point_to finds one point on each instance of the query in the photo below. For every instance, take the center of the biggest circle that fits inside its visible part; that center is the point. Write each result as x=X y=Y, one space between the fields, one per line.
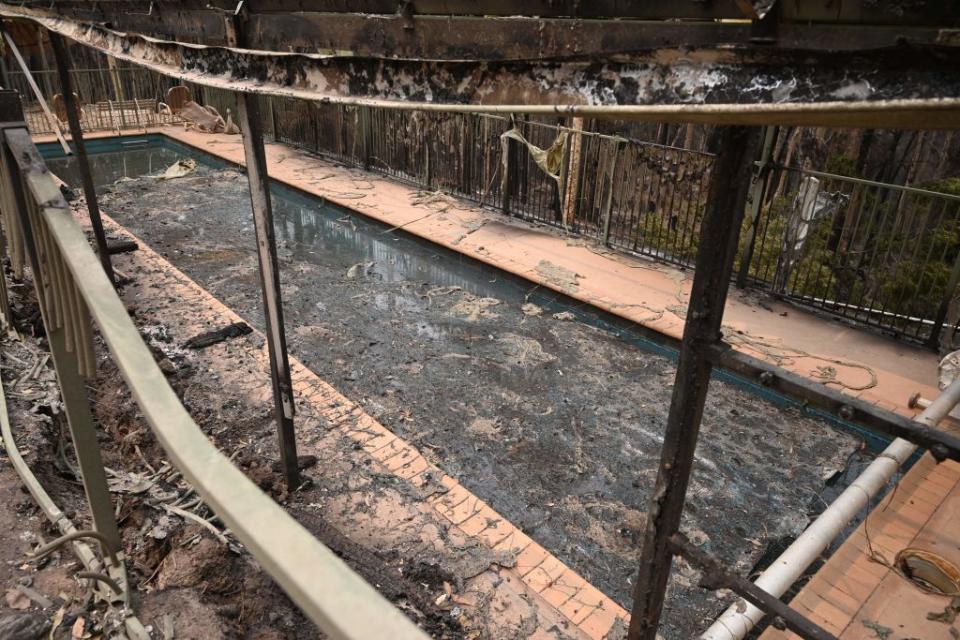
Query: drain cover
x=929 y=571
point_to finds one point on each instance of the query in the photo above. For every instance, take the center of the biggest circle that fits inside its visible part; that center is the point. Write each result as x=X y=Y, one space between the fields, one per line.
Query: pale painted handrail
x=340 y=602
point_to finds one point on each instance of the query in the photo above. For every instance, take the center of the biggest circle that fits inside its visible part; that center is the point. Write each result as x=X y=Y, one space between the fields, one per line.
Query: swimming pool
x=545 y=407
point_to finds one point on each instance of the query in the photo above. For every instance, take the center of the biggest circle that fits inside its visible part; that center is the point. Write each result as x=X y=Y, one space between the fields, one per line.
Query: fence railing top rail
x=870 y=183
x=341 y=603
x=603 y=136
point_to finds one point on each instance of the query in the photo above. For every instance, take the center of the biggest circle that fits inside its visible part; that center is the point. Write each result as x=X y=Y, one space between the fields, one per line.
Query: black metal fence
x=94 y=85
x=874 y=253
x=878 y=254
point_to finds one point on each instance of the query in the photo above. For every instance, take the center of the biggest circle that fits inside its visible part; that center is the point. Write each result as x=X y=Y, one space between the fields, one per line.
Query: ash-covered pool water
x=551 y=412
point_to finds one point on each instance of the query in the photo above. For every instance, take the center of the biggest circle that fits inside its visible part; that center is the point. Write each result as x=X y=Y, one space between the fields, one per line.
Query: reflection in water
x=311 y=229
x=308 y=228
x=111 y=166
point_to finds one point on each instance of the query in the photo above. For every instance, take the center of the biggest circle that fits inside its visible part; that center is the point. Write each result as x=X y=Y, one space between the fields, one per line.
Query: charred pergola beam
x=453 y=37
x=936 y=12
x=601 y=68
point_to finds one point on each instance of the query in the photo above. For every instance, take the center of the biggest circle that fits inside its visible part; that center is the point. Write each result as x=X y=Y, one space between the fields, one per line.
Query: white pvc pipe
x=785 y=570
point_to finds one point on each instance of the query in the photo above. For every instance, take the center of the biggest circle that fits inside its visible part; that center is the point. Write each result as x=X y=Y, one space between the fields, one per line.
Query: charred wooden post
x=611 y=189
x=44 y=65
x=366 y=135
x=718 y=244
x=248 y=109
x=574 y=182
x=62 y=57
x=715 y=577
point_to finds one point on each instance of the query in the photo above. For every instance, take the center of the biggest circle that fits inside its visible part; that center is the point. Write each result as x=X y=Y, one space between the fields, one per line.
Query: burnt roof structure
x=888 y=63
x=877 y=63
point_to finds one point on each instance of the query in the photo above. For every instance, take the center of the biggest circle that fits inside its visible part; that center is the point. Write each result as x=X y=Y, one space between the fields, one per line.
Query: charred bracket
x=405 y=13
x=121 y=246
x=714 y=576
x=210 y=338
x=942 y=445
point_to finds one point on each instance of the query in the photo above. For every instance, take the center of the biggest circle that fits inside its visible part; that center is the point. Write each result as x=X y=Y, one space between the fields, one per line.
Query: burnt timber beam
x=463 y=37
x=876 y=12
x=719 y=232
x=898 y=87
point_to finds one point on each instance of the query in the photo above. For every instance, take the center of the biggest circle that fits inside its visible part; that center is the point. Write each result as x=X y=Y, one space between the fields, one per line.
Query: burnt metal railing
x=72 y=288
x=878 y=254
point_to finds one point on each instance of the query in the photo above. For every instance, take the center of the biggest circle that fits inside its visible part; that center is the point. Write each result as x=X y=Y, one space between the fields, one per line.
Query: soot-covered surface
x=555 y=423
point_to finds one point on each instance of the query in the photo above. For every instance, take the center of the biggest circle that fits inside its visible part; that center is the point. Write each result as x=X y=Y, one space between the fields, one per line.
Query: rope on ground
x=778 y=354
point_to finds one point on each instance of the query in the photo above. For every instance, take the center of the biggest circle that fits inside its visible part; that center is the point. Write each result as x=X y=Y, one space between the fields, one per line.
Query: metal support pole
x=934 y=340
x=758 y=191
x=73 y=388
x=719 y=232
x=248 y=111
x=608 y=203
x=62 y=57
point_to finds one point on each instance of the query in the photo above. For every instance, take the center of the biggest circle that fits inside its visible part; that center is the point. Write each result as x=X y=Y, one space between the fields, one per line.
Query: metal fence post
x=249 y=114
x=934 y=340
x=71 y=353
x=718 y=245
x=608 y=203
x=757 y=193
x=506 y=164
x=366 y=133
x=76 y=133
